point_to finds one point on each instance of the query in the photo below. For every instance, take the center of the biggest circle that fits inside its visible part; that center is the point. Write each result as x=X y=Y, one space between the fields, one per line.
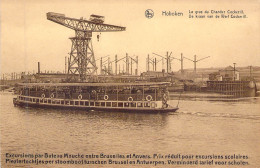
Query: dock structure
x=235 y=88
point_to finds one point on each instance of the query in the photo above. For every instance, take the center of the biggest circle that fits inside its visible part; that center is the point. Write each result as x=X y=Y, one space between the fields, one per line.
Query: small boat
x=134 y=97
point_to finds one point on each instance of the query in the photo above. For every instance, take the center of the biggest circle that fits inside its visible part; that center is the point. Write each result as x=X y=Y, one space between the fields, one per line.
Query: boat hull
x=94 y=108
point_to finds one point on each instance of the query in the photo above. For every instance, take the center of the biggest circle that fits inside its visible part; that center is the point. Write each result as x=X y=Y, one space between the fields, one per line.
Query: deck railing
x=89 y=103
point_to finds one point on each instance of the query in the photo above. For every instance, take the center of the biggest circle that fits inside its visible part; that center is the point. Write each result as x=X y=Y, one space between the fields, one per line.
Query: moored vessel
x=134 y=97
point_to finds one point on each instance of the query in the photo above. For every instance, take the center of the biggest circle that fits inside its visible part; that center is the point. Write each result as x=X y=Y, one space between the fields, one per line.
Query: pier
x=235 y=88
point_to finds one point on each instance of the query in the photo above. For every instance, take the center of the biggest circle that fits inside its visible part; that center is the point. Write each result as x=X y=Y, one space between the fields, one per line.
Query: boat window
x=49 y=101
x=139 y=104
x=91 y=103
x=108 y=104
x=126 y=104
x=146 y=104
x=82 y=103
x=103 y=104
x=120 y=104
x=114 y=104
x=77 y=103
x=132 y=104
x=86 y=103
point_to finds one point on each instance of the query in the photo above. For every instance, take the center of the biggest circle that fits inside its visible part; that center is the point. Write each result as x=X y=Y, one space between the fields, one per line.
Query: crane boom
x=203 y=58
x=82 y=24
x=82 y=59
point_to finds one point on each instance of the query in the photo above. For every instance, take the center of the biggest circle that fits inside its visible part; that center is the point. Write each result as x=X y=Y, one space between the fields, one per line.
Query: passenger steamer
x=139 y=97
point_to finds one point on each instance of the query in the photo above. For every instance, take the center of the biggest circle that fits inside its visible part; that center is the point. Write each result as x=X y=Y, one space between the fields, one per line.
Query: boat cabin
x=107 y=95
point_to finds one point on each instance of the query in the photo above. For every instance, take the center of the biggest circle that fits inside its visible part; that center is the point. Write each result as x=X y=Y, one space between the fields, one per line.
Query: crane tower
x=82 y=60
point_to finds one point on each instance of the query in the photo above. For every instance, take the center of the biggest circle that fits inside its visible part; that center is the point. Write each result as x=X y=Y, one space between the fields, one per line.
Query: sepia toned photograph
x=129 y=83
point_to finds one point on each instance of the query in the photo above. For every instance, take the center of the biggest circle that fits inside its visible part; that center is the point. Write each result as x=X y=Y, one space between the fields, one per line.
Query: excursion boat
x=134 y=97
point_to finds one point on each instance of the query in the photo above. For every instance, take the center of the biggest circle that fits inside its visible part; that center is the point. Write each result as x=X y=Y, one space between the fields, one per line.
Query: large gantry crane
x=82 y=60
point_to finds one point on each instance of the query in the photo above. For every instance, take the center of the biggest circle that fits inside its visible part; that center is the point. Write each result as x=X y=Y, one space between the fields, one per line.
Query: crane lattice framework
x=82 y=60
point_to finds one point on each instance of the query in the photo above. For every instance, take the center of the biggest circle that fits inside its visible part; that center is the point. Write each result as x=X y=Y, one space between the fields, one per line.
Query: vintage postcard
x=130 y=83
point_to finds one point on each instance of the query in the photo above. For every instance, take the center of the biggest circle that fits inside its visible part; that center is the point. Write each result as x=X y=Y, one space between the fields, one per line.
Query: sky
x=27 y=37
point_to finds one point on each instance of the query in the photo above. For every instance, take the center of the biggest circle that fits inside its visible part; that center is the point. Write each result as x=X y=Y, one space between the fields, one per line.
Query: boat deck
x=146 y=106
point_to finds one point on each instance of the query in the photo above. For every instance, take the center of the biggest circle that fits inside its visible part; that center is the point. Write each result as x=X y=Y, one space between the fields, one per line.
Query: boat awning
x=151 y=84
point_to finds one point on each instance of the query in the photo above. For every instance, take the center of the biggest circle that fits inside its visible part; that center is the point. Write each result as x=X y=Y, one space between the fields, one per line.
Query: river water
x=200 y=127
